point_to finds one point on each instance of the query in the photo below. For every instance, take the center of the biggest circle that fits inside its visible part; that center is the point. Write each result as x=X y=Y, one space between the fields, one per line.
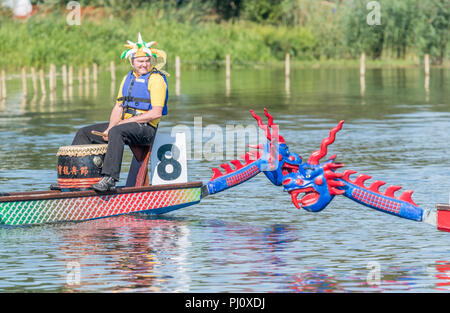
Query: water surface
x=250 y=238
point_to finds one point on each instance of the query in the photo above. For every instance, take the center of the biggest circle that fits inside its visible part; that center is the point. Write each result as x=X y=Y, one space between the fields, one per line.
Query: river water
x=250 y=238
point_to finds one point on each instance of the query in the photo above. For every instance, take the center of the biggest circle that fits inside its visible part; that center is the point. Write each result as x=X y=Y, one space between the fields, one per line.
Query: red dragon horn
x=267 y=128
x=317 y=155
x=270 y=123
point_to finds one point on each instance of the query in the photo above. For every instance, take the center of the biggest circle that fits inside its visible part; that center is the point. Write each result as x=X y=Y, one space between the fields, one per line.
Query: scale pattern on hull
x=92 y=207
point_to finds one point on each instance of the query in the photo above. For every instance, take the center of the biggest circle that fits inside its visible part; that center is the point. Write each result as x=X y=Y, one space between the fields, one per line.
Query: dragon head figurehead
x=312 y=185
x=315 y=182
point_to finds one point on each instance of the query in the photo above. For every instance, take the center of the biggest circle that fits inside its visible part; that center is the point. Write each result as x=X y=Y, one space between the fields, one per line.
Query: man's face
x=141 y=65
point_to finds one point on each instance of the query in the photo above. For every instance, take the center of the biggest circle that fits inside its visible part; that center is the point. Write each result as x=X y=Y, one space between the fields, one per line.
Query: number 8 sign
x=168 y=159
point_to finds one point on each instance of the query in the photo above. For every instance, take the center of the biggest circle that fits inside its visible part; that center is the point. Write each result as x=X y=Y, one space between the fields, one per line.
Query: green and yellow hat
x=144 y=49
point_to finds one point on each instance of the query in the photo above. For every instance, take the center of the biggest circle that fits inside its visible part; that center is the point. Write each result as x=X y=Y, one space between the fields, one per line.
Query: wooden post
x=42 y=81
x=426 y=62
x=24 y=81
x=227 y=74
x=362 y=64
x=87 y=75
x=112 y=67
x=64 y=75
x=287 y=65
x=34 y=80
x=52 y=77
x=227 y=66
x=287 y=86
x=70 y=78
x=95 y=72
x=362 y=84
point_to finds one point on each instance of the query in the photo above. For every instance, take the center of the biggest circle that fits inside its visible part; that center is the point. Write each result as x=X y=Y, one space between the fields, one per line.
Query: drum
x=80 y=166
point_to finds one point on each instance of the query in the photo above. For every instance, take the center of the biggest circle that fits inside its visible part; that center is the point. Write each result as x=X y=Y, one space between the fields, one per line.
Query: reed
x=325 y=33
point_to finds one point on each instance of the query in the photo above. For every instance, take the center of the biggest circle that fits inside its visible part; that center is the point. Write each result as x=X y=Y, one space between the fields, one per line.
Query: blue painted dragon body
x=312 y=185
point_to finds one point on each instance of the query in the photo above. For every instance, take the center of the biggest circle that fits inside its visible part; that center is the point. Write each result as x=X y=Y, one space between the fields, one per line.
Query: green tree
x=432 y=31
x=359 y=35
x=263 y=11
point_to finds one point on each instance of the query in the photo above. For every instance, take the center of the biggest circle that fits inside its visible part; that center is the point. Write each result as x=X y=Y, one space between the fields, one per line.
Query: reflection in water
x=427 y=88
x=314 y=281
x=141 y=253
x=248 y=239
x=443 y=275
x=362 y=83
x=287 y=86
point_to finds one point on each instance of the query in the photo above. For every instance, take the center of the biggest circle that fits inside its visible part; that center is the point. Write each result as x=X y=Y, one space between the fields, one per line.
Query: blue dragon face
x=277 y=161
x=283 y=167
x=316 y=182
x=308 y=187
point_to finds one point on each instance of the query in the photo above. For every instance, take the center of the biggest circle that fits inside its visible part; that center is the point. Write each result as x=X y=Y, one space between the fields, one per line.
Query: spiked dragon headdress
x=144 y=49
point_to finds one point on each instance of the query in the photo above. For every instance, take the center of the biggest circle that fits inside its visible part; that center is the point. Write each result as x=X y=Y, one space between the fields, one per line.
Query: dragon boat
x=312 y=186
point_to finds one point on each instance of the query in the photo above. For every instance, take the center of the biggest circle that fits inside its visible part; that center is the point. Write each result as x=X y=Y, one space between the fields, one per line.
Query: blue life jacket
x=135 y=93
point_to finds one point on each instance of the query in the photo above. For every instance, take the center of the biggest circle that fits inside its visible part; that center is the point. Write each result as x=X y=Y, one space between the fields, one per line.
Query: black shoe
x=55 y=187
x=105 y=184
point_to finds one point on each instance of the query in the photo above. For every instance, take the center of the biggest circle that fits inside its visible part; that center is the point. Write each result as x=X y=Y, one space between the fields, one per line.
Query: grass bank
x=47 y=38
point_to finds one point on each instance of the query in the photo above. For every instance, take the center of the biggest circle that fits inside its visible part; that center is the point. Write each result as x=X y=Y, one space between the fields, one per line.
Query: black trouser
x=118 y=136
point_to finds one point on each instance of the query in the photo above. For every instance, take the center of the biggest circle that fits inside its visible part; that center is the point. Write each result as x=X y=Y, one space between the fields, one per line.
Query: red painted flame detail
x=237 y=164
x=227 y=168
x=361 y=179
x=317 y=155
x=248 y=158
x=391 y=190
x=267 y=128
x=347 y=174
x=375 y=187
x=406 y=196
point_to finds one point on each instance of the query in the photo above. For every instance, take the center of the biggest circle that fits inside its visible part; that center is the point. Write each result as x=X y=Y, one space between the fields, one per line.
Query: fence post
x=52 y=77
x=112 y=68
x=24 y=81
x=64 y=75
x=34 y=80
x=42 y=81
x=426 y=62
x=94 y=72
x=70 y=75
x=362 y=64
x=227 y=66
x=287 y=65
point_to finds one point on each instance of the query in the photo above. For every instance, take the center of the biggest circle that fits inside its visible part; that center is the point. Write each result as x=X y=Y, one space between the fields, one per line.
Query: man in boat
x=140 y=104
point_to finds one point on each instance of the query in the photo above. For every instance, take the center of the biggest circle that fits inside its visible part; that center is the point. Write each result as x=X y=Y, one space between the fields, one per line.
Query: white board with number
x=168 y=159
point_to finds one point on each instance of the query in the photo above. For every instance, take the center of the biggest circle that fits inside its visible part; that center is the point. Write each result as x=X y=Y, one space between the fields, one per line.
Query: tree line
x=330 y=29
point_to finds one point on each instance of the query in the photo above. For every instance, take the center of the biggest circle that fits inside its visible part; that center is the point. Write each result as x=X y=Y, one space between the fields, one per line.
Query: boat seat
x=138 y=173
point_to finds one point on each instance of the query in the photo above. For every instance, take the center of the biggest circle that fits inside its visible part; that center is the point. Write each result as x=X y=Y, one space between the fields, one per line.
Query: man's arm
x=116 y=115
